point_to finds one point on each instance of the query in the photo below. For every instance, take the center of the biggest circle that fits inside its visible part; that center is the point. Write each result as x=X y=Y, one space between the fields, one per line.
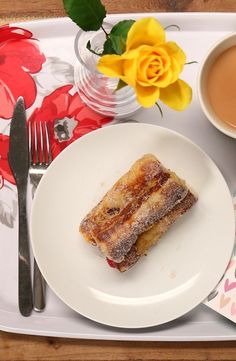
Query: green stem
x=94 y=52
x=107 y=35
x=88 y=46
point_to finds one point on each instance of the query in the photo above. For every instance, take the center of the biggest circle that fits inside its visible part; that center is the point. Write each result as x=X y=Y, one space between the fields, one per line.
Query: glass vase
x=95 y=89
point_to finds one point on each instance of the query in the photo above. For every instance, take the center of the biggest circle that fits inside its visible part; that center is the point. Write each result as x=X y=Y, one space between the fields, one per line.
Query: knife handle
x=25 y=296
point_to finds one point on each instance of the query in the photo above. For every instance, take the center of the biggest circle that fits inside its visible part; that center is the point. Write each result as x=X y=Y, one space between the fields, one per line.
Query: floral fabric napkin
x=223 y=298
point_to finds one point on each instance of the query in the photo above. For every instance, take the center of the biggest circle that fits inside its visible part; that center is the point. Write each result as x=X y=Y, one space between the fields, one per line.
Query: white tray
x=198 y=33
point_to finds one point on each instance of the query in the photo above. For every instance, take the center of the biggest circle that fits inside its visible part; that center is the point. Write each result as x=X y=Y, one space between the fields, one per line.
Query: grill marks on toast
x=138 y=200
x=150 y=237
x=119 y=238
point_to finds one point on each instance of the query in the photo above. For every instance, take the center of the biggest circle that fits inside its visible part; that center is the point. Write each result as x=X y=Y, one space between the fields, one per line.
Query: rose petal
x=145 y=31
x=111 y=65
x=163 y=76
x=120 y=66
x=177 y=95
x=147 y=96
x=177 y=59
x=130 y=65
x=174 y=50
x=130 y=71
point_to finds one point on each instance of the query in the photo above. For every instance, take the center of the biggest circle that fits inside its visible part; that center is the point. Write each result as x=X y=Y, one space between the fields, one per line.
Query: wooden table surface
x=20 y=347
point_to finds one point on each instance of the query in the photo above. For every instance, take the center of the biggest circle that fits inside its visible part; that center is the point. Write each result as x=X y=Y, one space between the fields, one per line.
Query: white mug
x=217 y=49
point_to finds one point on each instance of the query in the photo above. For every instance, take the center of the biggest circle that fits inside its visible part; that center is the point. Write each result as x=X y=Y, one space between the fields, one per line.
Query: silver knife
x=18 y=158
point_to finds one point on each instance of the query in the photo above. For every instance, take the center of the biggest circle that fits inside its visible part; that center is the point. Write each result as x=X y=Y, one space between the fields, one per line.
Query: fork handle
x=39 y=289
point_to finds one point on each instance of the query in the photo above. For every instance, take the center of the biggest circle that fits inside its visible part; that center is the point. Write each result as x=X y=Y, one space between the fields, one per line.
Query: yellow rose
x=150 y=65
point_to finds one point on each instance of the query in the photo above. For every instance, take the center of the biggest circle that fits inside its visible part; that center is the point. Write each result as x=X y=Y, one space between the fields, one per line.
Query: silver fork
x=39 y=157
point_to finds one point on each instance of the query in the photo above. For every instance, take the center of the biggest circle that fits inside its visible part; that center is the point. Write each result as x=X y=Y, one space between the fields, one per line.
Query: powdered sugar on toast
x=138 y=200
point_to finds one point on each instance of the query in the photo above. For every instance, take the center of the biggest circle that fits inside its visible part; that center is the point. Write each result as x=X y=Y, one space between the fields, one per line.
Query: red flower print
x=58 y=109
x=62 y=110
x=5 y=171
x=19 y=58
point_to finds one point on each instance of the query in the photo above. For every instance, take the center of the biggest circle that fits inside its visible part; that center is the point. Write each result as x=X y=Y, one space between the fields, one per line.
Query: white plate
x=176 y=275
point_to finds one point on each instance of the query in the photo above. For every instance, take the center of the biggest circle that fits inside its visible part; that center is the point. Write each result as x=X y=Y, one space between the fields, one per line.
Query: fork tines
x=39 y=144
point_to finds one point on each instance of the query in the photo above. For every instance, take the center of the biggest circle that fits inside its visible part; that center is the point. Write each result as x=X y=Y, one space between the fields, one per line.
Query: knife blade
x=18 y=158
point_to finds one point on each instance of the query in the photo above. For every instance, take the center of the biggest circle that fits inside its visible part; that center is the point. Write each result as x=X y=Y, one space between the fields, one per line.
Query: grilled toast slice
x=136 y=202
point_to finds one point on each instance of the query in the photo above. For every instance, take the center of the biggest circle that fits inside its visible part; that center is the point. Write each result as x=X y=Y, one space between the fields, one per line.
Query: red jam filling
x=112 y=263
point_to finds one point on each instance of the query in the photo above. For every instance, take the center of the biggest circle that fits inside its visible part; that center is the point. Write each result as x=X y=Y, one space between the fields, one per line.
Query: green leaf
x=88 y=46
x=107 y=47
x=118 y=35
x=87 y=14
x=121 y=84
